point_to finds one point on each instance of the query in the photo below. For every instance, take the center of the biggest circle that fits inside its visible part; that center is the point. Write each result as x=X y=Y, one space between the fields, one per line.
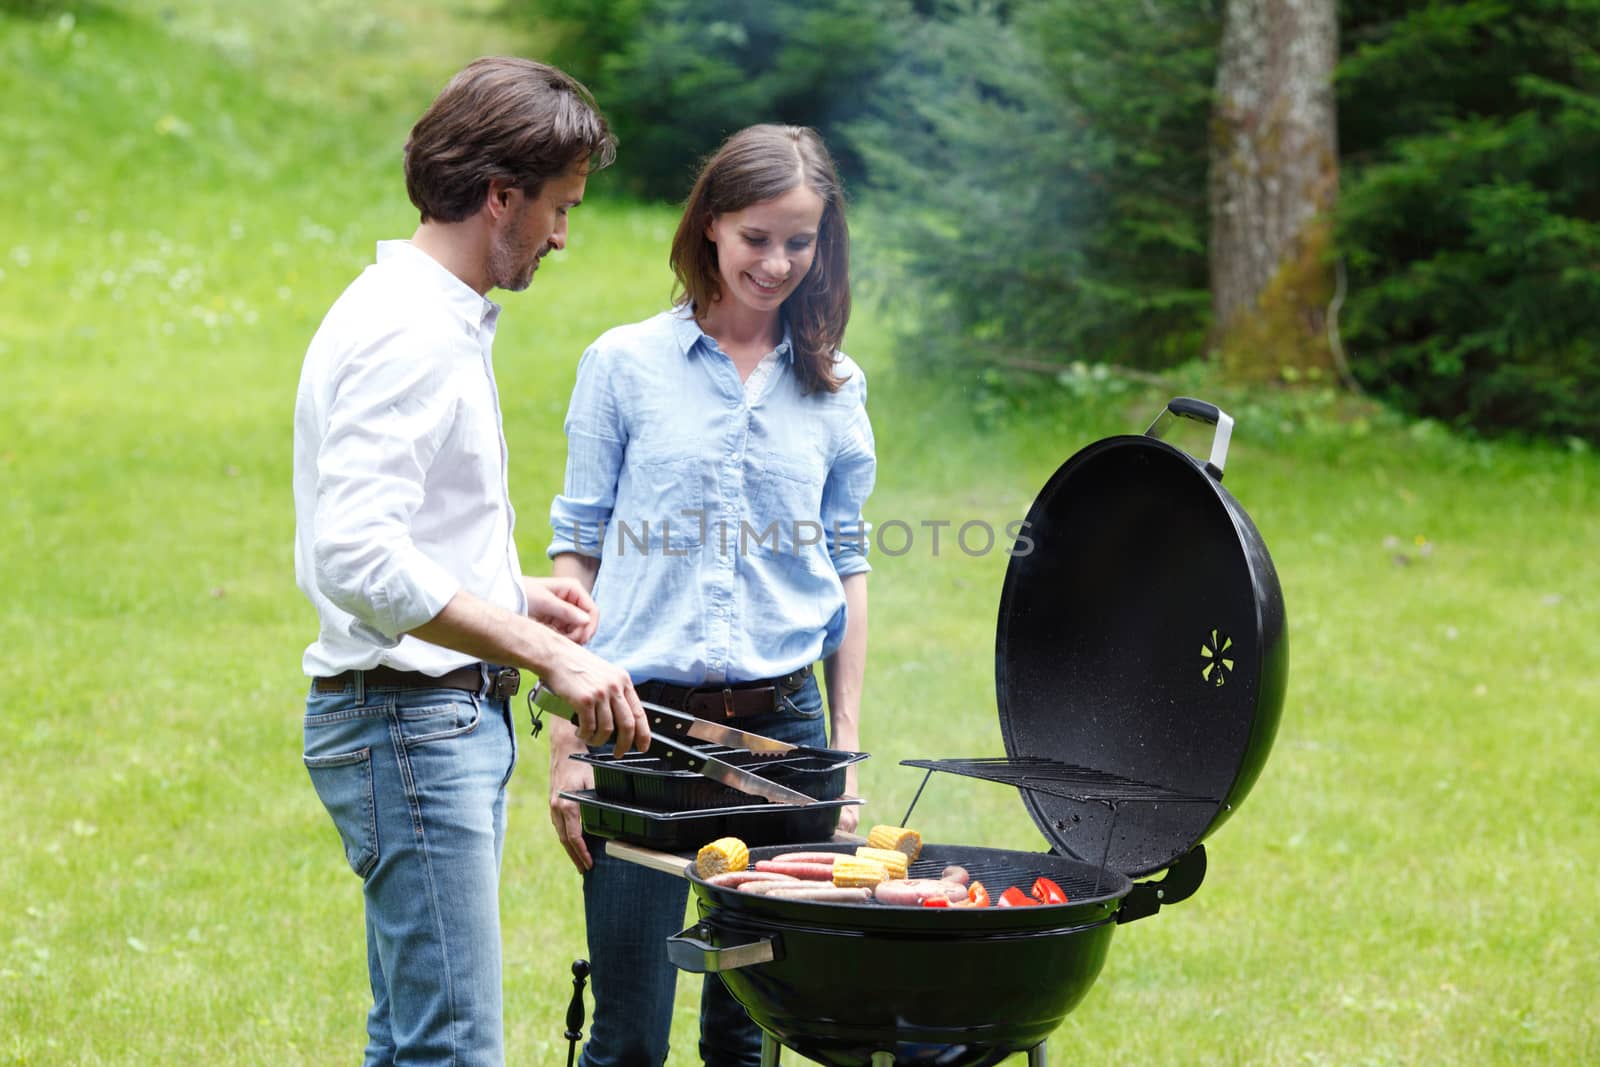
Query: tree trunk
x=1274 y=178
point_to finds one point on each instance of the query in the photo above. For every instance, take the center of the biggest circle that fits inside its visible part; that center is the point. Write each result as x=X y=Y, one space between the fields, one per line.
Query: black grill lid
x=1142 y=637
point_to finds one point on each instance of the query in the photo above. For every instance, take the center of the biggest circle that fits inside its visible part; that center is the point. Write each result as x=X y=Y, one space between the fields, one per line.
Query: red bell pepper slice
x=1046 y=891
x=977 y=895
x=935 y=902
x=1016 y=898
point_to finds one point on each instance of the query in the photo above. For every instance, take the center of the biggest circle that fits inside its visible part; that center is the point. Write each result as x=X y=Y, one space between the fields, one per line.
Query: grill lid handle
x=1188 y=407
x=1179 y=883
x=691 y=951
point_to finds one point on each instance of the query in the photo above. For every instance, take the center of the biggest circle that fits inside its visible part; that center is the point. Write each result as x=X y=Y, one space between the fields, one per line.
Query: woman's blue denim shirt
x=723 y=522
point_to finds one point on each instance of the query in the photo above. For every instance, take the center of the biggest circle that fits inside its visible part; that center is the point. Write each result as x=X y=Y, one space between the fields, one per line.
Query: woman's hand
x=572 y=776
x=850 y=814
x=564 y=605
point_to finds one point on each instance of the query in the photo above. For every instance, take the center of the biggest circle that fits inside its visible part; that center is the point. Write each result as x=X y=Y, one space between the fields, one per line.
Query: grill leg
x=580 y=974
x=1036 y=1055
x=769 y=1050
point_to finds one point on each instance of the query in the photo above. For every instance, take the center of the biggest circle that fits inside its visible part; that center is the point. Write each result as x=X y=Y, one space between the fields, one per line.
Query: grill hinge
x=1179 y=883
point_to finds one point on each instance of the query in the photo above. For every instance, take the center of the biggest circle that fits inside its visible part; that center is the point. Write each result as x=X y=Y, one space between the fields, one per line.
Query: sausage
x=765 y=887
x=735 y=879
x=804 y=857
x=811 y=872
x=788 y=887
x=816 y=891
x=902 y=892
x=911 y=892
x=955 y=874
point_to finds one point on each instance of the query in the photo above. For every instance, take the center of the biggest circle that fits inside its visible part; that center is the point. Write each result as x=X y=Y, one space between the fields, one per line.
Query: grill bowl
x=929 y=985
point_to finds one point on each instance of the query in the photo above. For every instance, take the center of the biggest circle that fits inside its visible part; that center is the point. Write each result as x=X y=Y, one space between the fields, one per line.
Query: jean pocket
x=344 y=785
x=804 y=704
x=456 y=715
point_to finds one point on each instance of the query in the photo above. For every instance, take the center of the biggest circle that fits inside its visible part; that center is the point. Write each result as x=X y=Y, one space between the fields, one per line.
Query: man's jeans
x=415 y=781
x=631 y=911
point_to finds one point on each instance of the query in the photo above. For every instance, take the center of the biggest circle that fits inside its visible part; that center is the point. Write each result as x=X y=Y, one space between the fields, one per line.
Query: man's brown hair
x=754 y=165
x=504 y=118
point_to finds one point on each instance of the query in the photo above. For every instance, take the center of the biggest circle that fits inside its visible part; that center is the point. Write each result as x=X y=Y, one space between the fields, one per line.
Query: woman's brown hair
x=755 y=165
x=501 y=118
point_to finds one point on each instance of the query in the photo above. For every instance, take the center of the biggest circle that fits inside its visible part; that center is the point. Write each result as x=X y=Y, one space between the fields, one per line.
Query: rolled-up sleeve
x=596 y=440
x=390 y=408
x=849 y=483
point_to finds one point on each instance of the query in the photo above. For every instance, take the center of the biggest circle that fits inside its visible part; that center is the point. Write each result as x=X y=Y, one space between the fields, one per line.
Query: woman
x=719 y=455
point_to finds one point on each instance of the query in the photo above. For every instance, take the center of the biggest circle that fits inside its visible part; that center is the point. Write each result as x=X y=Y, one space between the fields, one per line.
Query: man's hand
x=562 y=604
x=604 y=697
x=571 y=776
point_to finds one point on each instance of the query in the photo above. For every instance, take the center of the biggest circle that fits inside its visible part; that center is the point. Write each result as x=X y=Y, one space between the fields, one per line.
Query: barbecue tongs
x=669 y=730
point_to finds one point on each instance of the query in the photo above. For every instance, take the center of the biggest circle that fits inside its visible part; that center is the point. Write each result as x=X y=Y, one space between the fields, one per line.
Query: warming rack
x=1040 y=774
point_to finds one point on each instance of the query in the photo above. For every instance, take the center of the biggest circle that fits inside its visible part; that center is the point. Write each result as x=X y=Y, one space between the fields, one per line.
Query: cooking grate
x=997 y=876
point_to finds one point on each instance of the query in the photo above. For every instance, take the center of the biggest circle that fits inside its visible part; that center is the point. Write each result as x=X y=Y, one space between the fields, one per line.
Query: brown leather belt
x=737 y=701
x=503 y=682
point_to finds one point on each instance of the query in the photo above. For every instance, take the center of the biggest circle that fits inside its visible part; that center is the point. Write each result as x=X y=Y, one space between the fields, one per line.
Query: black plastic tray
x=680 y=831
x=650 y=782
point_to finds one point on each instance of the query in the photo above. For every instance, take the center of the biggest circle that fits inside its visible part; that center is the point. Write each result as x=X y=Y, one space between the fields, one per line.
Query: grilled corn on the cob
x=721 y=856
x=898 y=838
x=851 y=871
x=892 y=859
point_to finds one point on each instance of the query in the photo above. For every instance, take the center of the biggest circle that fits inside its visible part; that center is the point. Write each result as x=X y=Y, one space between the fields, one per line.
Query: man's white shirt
x=400 y=487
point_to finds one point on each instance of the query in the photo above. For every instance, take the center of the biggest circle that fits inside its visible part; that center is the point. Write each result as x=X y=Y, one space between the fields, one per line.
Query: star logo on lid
x=1218 y=664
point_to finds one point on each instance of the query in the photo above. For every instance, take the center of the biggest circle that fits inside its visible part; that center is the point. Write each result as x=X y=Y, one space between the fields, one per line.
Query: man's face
x=530 y=227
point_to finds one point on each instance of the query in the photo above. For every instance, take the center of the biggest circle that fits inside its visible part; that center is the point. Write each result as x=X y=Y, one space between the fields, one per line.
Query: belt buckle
x=504 y=682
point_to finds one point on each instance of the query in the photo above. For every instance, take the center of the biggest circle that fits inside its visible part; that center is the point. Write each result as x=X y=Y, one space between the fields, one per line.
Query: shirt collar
x=692 y=339
x=475 y=309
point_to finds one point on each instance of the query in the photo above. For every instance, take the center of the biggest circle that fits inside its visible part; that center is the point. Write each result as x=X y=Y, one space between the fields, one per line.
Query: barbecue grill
x=1141 y=660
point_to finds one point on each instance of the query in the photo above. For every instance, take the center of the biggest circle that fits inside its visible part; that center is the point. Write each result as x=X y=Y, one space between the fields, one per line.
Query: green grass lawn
x=186 y=188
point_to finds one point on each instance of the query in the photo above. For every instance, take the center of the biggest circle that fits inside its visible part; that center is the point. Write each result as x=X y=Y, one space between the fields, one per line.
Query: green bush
x=1044 y=166
x=1470 y=214
x=677 y=76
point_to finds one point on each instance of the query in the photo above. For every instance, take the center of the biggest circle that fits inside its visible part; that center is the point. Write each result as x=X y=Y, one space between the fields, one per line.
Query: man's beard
x=511 y=263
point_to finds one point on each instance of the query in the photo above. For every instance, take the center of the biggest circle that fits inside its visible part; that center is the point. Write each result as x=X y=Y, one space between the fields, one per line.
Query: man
x=404 y=545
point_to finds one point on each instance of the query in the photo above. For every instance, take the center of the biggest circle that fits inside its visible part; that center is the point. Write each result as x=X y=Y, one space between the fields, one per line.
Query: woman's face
x=765 y=250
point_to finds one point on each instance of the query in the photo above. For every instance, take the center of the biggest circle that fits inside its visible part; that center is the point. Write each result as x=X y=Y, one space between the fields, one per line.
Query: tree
x=1470 y=209
x=1040 y=167
x=1273 y=183
x=675 y=77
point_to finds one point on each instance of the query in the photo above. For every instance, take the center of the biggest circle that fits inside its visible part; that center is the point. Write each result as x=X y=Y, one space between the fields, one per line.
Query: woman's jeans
x=631 y=911
x=415 y=780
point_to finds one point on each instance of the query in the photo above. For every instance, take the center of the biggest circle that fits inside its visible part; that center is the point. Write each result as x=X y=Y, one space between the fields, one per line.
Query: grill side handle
x=693 y=951
x=1179 y=883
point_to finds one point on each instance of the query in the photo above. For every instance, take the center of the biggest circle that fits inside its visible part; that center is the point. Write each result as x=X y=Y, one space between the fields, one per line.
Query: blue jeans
x=415 y=780
x=631 y=911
